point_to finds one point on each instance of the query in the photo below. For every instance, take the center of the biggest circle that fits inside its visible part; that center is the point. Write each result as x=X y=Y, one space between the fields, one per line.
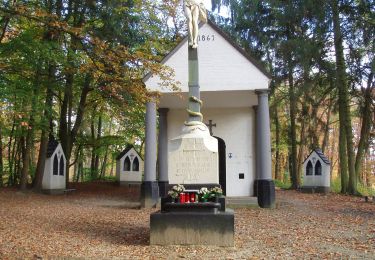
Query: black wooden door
x=222 y=164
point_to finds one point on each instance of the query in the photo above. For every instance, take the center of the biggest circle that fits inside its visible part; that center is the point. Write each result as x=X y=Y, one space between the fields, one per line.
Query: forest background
x=73 y=70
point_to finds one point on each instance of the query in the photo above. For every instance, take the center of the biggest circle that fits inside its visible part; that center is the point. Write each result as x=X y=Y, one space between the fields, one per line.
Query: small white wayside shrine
x=316 y=173
x=129 y=167
x=54 y=180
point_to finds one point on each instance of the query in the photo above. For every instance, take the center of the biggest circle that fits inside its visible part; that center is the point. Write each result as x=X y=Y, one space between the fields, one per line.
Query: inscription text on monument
x=193 y=163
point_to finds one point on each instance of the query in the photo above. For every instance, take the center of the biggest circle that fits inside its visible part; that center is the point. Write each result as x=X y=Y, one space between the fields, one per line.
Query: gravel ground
x=102 y=221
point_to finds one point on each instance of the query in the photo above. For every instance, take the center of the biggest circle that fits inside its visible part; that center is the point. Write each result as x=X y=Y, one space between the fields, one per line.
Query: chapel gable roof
x=320 y=153
x=126 y=150
x=252 y=60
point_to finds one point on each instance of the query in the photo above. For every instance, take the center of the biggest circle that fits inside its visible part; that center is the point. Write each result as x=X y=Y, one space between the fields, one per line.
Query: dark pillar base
x=256 y=188
x=266 y=193
x=149 y=194
x=163 y=189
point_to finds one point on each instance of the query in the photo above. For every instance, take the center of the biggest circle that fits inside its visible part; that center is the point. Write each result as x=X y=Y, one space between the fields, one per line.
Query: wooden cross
x=210 y=125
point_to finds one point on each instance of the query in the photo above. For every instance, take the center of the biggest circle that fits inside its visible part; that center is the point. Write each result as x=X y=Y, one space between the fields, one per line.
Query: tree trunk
x=293 y=133
x=326 y=127
x=92 y=128
x=343 y=161
x=344 y=109
x=6 y=23
x=26 y=152
x=67 y=131
x=27 y=143
x=45 y=134
x=67 y=135
x=98 y=136
x=301 y=149
x=277 y=148
x=314 y=126
x=112 y=167
x=11 y=154
x=366 y=125
x=104 y=164
x=1 y=156
x=17 y=162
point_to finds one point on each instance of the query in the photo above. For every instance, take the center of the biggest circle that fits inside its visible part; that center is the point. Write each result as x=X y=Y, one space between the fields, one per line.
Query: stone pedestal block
x=192 y=228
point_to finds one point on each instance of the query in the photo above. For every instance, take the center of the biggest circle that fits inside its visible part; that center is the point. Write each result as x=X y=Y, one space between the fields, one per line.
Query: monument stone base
x=192 y=228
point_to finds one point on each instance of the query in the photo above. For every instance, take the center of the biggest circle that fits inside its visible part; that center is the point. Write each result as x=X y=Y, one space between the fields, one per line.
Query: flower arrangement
x=204 y=193
x=176 y=190
x=216 y=191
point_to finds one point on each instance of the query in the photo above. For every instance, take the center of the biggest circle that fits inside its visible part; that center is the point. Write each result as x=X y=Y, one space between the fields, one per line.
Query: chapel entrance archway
x=222 y=164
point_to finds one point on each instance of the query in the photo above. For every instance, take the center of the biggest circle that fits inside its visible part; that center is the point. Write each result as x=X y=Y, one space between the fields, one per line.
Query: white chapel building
x=232 y=85
x=54 y=180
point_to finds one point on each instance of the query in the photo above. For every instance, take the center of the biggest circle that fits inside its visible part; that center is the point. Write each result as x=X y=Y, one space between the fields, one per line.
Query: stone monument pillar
x=150 y=188
x=193 y=162
x=193 y=157
x=163 y=152
x=266 y=186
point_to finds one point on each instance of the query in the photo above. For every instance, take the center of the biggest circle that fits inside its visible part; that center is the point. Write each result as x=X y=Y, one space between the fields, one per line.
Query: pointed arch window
x=127 y=164
x=135 y=167
x=318 y=168
x=62 y=166
x=55 y=169
x=309 y=168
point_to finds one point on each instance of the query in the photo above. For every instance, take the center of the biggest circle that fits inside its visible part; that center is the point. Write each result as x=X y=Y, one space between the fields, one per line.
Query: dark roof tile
x=320 y=154
x=52 y=145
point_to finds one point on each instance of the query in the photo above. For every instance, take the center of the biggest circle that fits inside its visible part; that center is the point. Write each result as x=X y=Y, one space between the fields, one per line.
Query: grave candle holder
x=182 y=197
x=187 y=197
x=192 y=197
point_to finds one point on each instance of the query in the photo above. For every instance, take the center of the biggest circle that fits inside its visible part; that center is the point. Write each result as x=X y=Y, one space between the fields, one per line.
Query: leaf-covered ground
x=102 y=221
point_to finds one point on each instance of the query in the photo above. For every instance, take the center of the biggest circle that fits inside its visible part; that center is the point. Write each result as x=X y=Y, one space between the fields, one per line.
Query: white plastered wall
x=235 y=126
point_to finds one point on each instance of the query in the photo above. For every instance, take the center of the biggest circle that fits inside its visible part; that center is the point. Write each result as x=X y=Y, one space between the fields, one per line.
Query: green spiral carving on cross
x=195 y=114
x=195 y=103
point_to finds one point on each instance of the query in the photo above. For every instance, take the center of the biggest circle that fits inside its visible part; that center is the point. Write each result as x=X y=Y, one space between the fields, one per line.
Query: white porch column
x=266 y=186
x=163 y=151
x=150 y=189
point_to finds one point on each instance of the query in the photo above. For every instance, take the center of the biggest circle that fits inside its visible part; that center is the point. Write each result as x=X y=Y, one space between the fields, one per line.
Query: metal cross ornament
x=210 y=125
